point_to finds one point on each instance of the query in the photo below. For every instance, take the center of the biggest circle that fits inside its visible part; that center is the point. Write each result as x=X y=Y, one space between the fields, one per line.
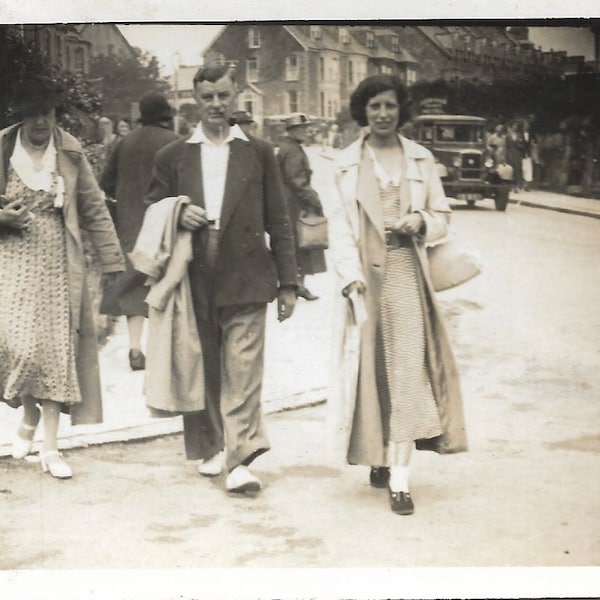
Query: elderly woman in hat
x=300 y=195
x=126 y=177
x=48 y=353
x=395 y=381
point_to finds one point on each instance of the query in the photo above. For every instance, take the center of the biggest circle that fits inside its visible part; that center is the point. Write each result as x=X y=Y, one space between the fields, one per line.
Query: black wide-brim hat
x=154 y=108
x=36 y=94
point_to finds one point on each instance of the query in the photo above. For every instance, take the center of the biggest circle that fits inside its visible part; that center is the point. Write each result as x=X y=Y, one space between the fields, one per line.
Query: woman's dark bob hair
x=371 y=86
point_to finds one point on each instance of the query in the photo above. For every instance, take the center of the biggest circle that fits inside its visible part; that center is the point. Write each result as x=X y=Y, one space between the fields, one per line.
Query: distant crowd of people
x=515 y=146
x=203 y=236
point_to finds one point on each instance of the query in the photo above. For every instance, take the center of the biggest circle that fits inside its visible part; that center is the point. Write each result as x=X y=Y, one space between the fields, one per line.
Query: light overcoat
x=83 y=204
x=357 y=244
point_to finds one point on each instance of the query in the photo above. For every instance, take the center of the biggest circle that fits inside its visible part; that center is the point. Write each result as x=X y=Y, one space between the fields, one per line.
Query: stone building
x=313 y=68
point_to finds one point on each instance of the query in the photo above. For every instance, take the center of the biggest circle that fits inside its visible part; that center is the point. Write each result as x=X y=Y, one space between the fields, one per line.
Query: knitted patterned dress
x=37 y=354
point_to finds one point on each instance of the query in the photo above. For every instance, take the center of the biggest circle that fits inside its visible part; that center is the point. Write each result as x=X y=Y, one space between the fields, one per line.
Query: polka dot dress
x=37 y=354
x=408 y=406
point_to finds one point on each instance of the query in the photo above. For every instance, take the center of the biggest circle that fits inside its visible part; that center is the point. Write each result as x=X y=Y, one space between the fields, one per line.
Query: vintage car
x=466 y=166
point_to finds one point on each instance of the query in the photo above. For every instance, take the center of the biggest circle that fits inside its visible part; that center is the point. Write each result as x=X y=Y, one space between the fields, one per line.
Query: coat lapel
x=190 y=174
x=368 y=194
x=240 y=169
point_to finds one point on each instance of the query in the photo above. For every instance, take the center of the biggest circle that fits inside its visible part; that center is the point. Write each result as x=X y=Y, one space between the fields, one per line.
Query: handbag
x=312 y=232
x=451 y=263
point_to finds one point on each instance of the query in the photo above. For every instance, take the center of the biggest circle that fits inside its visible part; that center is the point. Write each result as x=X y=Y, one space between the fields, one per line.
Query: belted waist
x=394 y=239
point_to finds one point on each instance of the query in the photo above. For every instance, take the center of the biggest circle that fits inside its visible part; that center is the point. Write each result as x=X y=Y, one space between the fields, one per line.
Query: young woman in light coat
x=394 y=379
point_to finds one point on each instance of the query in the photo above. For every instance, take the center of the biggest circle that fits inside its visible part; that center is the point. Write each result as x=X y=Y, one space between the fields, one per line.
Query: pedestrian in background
x=245 y=120
x=235 y=197
x=123 y=128
x=301 y=197
x=497 y=144
x=515 y=152
x=48 y=353
x=398 y=383
x=126 y=178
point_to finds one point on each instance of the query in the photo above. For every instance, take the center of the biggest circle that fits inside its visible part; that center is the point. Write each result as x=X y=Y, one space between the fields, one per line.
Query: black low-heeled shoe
x=401 y=503
x=379 y=477
x=305 y=293
x=137 y=360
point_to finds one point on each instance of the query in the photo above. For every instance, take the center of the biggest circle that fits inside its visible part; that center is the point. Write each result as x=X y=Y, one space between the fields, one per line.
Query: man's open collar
x=199 y=137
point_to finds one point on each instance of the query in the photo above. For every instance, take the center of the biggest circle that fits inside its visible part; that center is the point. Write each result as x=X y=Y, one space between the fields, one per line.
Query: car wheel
x=470 y=203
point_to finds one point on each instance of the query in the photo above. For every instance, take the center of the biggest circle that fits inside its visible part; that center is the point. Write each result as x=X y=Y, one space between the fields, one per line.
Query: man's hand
x=286 y=301
x=192 y=217
x=16 y=215
x=411 y=224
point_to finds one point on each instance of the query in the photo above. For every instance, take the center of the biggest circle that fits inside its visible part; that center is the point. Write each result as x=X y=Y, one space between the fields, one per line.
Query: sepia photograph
x=299 y=306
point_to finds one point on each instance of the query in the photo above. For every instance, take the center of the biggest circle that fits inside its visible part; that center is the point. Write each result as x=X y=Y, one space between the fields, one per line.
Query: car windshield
x=463 y=132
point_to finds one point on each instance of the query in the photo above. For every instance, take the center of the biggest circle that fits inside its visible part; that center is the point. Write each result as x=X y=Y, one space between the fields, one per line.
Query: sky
x=189 y=41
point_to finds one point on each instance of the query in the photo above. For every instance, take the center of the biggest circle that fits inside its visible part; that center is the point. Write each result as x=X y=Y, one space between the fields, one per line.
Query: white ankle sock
x=399 y=478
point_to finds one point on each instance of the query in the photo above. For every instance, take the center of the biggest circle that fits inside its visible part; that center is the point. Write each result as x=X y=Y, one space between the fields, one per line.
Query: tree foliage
x=20 y=59
x=553 y=102
x=124 y=78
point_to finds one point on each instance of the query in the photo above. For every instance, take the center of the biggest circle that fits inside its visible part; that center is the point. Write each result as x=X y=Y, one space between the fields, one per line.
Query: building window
x=350 y=72
x=322 y=103
x=291 y=67
x=370 y=39
x=253 y=37
x=411 y=75
x=111 y=49
x=58 y=48
x=334 y=69
x=292 y=101
x=385 y=69
x=252 y=69
x=322 y=68
x=79 y=59
x=315 y=32
x=395 y=43
x=48 y=44
x=344 y=36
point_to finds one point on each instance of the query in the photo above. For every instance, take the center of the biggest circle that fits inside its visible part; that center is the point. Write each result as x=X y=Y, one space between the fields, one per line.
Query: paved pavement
x=292 y=377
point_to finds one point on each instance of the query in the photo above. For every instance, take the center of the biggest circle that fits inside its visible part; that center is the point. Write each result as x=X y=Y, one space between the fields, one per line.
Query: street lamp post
x=176 y=63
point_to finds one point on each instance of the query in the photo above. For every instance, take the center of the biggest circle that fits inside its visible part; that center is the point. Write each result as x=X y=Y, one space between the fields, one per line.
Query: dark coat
x=84 y=208
x=127 y=175
x=126 y=178
x=247 y=270
x=301 y=197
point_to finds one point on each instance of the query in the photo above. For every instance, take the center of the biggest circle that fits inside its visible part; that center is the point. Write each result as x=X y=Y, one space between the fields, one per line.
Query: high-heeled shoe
x=21 y=446
x=56 y=466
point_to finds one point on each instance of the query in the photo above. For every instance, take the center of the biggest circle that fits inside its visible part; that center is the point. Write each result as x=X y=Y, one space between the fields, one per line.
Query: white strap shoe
x=211 y=467
x=53 y=463
x=242 y=481
x=21 y=446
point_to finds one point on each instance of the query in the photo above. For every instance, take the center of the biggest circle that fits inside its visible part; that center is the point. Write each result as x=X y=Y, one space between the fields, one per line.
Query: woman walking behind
x=126 y=178
x=48 y=354
x=400 y=384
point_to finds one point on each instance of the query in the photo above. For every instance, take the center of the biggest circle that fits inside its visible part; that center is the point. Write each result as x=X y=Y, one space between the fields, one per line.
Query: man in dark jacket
x=235 y=198
x=126 y=178
x=300 y=195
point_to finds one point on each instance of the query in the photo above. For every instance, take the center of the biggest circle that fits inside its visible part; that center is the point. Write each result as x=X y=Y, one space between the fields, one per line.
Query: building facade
x=313 y=68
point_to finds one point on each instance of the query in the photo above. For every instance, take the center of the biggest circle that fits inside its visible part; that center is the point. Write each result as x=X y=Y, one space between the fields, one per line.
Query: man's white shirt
x=215 y=159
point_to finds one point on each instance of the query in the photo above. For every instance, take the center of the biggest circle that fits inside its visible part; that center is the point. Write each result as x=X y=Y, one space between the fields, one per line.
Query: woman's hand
x=359 y=286
x=16 y=215
x=411 y=224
